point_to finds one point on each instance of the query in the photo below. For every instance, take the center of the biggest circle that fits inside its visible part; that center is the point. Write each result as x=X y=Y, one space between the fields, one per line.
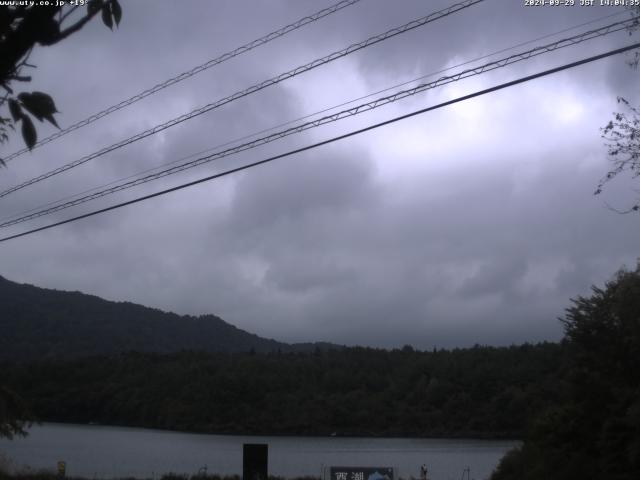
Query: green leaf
x=28 y=132
x=116 y=10
x=106 y=16
x=14 y=108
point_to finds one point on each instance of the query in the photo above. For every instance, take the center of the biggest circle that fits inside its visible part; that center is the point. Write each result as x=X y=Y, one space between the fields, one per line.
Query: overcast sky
x=474 y=223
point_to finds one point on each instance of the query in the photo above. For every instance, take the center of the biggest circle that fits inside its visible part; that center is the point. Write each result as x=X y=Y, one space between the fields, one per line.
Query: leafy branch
x=622 y=138
x=22 y=28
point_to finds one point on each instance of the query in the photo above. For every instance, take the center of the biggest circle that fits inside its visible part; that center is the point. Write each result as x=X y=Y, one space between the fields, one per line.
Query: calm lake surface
x=105 y=452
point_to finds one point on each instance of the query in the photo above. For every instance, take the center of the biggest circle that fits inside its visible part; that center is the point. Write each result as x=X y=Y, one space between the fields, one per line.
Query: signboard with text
x=361 y=473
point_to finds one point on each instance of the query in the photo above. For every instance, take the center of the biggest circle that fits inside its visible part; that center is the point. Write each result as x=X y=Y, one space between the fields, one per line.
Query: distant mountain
x=40 y=323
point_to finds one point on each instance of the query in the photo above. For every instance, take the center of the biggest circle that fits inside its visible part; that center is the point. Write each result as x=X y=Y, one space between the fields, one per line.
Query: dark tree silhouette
x=595 y=431
x=14 y=414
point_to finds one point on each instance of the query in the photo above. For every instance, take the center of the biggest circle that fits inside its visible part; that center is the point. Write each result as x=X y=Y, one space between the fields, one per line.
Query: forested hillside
x=476 y=392
x=39 y=323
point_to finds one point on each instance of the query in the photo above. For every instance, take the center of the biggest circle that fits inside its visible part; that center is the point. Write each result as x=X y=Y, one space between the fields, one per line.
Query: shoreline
x=452 y=437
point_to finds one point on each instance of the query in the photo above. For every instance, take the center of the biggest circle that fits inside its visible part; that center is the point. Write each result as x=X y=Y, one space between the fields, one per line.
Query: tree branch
x=16 y=45
x=78 y=25
x=69 y=12
x=622 y=212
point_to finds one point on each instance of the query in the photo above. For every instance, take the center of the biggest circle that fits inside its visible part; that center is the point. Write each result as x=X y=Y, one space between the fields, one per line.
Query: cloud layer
x=471 y=224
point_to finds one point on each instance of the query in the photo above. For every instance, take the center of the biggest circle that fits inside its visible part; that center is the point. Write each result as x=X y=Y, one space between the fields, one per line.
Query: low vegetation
x=46 y=475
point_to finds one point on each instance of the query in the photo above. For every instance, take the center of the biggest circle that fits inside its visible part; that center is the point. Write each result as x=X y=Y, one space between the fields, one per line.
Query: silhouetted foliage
x=22 y=27
x=623 y=142
x=594 y=432
x=622 y=133
x=14 y=414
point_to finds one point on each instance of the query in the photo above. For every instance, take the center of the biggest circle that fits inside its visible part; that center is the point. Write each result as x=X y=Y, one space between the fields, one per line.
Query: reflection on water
x=105 y=452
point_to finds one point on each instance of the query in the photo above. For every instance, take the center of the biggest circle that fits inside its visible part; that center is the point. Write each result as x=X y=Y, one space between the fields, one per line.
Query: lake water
x=105 y=452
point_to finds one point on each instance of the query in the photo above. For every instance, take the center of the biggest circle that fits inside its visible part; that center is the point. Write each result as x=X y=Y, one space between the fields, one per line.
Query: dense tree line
x=476 y=392
x=594 y=431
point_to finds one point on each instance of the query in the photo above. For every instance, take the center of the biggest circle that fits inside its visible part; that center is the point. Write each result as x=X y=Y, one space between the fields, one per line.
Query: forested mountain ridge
x=38 y=323
x=79 y=358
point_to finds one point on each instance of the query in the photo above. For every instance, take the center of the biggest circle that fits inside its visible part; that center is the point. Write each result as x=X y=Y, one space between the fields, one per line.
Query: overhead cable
x=253 y=89
x=310 y=115
x=190 y=73
x=379 y=102
x=304 y=117
x=328 y=141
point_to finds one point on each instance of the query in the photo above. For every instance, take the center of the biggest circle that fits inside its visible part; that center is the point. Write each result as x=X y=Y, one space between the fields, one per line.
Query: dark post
x=62 y=469
x=255 y=461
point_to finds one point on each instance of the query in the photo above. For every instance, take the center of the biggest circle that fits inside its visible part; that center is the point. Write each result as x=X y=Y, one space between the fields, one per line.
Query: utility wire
x=194 y=71
x=255 y=88
x=289 y=122
x=332 y=118
x=330 y=140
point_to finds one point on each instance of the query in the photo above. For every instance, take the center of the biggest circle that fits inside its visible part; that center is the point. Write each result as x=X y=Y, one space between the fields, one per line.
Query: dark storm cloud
x=307 y=186
x=477 y=31
x=470 y=224
x=492 y=276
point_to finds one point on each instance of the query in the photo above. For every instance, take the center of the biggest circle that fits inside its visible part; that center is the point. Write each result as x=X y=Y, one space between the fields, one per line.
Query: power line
x=304 y=117
x=289 y=122
x=330 y=140
x=194 y=71
x=501 y=63
x=324 y=110
x=253 y=89
x=331 y=118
